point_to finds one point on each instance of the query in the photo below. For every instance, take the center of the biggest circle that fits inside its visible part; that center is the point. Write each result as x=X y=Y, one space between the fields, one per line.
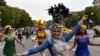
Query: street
x=94 y=50
x=28 y=19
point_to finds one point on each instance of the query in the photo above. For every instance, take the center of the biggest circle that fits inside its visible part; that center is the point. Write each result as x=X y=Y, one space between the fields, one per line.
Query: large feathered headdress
x=40 y=22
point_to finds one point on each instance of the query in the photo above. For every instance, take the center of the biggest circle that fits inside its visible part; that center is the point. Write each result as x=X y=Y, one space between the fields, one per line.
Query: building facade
x=96 y=3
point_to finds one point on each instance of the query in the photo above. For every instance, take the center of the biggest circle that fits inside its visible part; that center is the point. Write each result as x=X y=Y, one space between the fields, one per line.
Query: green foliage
x=92 y=12
x=34 y=23
x=24 y=20
x=15 y=17
x=48 y=23
x=71 y=21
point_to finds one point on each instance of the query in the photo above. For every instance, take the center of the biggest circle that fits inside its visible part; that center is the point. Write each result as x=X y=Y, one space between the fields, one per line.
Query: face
x=82 y=31
x=56 y=33
x=41 y=27
x=9 y=30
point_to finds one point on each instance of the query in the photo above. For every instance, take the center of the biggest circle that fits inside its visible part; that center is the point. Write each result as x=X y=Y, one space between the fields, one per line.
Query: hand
x=84 y=17
x=18 y=54
x=33 y=39
x=90 y=21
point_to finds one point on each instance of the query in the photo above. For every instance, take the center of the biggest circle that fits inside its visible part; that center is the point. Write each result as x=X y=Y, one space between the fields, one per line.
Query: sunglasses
x=56 y=31
x=9 y=29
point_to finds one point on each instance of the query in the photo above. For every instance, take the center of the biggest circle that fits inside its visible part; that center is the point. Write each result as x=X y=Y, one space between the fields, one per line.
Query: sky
x=37 y=9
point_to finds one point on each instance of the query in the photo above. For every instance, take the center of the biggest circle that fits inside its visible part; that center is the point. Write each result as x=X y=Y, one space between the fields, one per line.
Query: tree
x=2 y=2
x=15 y=17
x=71 y=21
x=49 y=23
x=94 y=14
x=25 y=20
x=34 y=23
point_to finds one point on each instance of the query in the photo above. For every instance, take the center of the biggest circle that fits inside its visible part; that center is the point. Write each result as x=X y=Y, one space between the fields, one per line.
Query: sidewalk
x=97 y=38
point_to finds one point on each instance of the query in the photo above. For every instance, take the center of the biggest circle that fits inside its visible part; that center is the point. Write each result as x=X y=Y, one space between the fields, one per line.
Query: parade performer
x=40 y=33
x=56 y=43
x=82 y=42
x=9 y=37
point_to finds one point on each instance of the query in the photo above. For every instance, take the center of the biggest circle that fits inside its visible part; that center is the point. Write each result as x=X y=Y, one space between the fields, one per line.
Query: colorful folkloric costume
x=82 y=45
x=56 y=47
x=9 y=48
x=41 y=36
x=40 y=33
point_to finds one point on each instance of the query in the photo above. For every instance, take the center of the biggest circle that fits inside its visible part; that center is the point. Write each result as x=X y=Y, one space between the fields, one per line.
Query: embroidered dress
x=60 y=48
x=82 y=47
x=41 y=36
